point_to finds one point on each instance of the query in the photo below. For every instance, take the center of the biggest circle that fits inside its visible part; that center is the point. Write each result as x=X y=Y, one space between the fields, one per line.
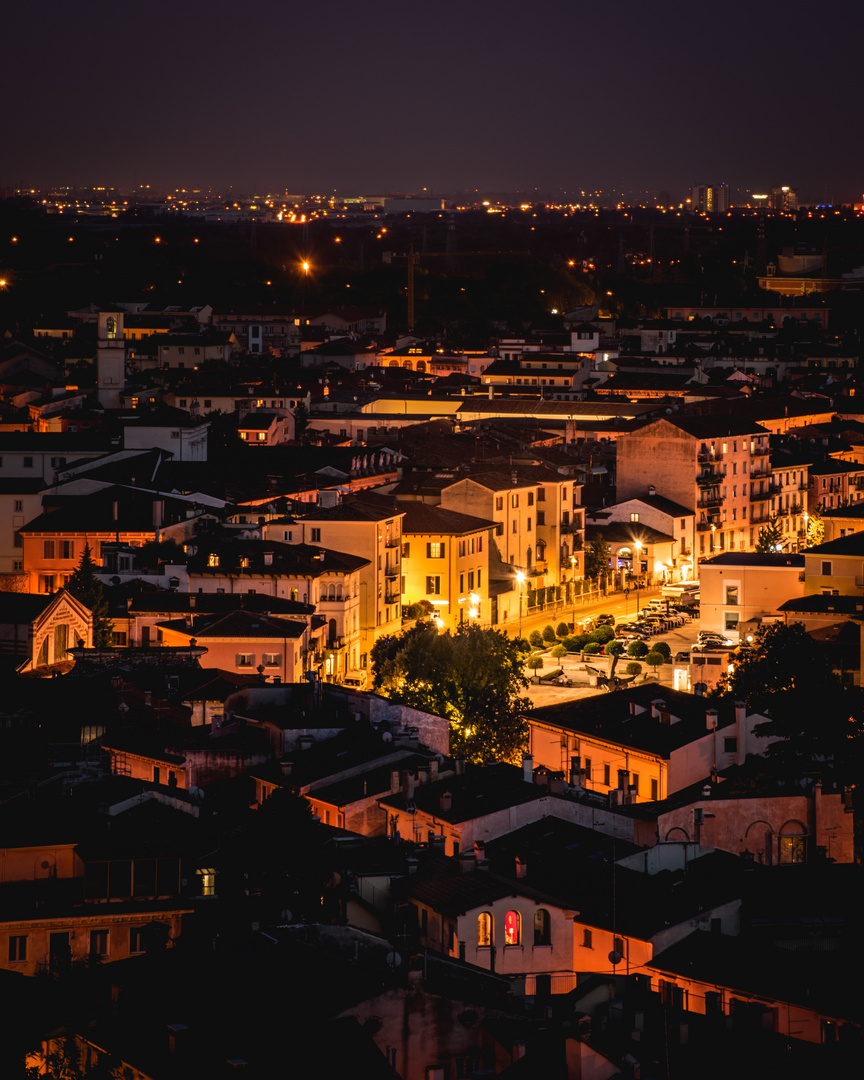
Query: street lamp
x=573 y=587
x=638 y=546
x=520 y=577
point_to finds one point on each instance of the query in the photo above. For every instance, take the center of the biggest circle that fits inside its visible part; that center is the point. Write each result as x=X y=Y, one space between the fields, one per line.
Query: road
x=614 y=603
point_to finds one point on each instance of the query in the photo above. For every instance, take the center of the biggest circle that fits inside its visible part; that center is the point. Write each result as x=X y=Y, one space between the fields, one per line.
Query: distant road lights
x=520 y=577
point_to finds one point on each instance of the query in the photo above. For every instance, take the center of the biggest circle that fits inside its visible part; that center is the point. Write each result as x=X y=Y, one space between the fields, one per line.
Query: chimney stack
x=528 y=768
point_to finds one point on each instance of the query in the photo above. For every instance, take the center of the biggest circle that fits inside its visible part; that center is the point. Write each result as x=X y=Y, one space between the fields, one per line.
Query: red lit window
x=512 y=928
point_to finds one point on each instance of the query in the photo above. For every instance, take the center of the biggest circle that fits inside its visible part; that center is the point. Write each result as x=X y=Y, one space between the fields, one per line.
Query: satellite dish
x=393 y=958
x=287 y=915
x=615 y=957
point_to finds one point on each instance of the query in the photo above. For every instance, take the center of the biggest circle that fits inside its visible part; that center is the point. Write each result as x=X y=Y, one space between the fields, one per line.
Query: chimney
x=268 y=558
x=306 y=742
x=408 y=785
x=711 y=719
x=158 y=513
x=467 y=862
x=287 y=767
x=528 y=768
x=630 y=797
x=192 y=601
x=433 y=770
x=115 y=511
x=479 y=851
x=623 y=779
x=395 y=781
x=422 y=775
x=445 y=803
x=521 y=867
x=575 y=771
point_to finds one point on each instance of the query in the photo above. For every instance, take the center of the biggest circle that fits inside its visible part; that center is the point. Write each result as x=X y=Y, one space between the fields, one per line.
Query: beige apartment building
x=720 y=466
x=445 y=561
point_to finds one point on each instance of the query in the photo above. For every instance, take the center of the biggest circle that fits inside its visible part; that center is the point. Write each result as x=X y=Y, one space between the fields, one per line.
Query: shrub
x=662 y=647
x=558 y=651
x=549 y=633
x=536 y=639
x=615 y=648
x=573 y=642
x=637 y=649
x=563 y=630
x=535 y=662
x=633 y=668
x=602 y=634
x=655 y=659
x=592 y=648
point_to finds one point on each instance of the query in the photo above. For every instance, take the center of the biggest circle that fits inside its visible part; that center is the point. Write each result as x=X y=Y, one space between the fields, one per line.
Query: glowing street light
x=573 y=587
x=520 y=577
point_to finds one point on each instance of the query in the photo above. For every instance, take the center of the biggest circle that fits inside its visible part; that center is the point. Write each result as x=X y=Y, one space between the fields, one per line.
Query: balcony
x=708 y=457
x=334 y=644
x=709 y=501
x=391 y=570
x=393 y=542
x=761 y=471
x=703 y=526
x=762 y=496
x=760 y=451
x=709 y=479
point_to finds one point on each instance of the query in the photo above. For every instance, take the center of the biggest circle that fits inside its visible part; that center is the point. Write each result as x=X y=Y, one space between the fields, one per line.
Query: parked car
x=705 y=637
x=604 y=620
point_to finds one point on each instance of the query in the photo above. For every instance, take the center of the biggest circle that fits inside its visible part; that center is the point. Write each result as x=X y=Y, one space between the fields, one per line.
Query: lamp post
x=520 y=577
x=638 y=546
x=573 y=587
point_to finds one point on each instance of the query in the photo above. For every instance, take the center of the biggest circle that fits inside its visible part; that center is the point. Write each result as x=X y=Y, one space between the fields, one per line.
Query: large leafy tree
x=473 y=678
x=770 y=537
x=86 y=587
x=789 y=678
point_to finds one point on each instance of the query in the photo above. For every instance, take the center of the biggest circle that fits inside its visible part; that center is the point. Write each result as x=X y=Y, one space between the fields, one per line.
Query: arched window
x=512 y=928
x=541 y=927
x=529 y=557
x=541 y=550
x=484 y=930
x=793 y=843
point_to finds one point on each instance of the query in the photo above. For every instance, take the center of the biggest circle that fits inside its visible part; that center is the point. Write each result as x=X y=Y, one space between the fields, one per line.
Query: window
x=208 y=882
x=98 y=942
x=245 y=659
x=731 y=594
x=607 y=775
x=730 y=620
x=436 y=551
x=499 y=502
x=730 y=745
x=826 y=569
x=406 y=551
x=530 y=498
x=28 y=463
x=541 y=494
x=316 y=536
x=618 y=946
x=587 y=939
x=119 y=639
x=433 y=585
x=541 y=927
x=67 y=549
x=271 y=659
x=515 y=525
x=634 y=517
x=17 y=948
x=655 y=790
x=541 y=517
x=514 y=501
x=512 y=928
x=47 y=549
x=528 y=525
x=484 y=930
x=19 y=505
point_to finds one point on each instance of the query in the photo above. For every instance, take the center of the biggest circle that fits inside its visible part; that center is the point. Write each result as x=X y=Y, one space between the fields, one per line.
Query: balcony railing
x=709 y=479
x=759 y=451
x=761 y=496
x=393 y=598
x=709 y=456
x=708 y=501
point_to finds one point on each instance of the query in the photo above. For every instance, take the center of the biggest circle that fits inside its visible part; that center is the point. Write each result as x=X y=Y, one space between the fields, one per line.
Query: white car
x=708 y=637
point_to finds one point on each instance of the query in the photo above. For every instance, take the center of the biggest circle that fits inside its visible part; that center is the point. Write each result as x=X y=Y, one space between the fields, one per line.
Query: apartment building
x=718 y=465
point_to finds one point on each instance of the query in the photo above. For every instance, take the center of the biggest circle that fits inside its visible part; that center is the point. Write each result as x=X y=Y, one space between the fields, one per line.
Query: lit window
x=484 y=930
x=512 y=928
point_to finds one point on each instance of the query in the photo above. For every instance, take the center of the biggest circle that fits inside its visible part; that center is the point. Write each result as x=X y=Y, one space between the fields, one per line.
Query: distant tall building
x=710 y=198
x=784 y=199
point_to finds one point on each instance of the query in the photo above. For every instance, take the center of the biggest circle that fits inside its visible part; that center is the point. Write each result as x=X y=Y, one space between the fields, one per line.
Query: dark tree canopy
x=473 y=678
x=770 y=537
x=85 y=586
x=788 y=677
x=597 y=556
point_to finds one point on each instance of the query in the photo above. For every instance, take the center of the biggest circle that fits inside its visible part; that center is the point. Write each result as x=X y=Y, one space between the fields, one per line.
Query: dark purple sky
x=492 y=94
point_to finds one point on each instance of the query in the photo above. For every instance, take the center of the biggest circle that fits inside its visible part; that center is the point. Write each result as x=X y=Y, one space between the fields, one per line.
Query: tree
x=563 y=630
x=616 y=647
x=633 y=668
x=559 y=651
x=473 y=678
x=655 y=659
x=85 y=586
x=815 y=529
x=637 y=649
x=301 y=419
x=770 y=537
x=664 y=648
x=535 y=662
x=549 y=633
x=789 y=678
x=597 y=557
x=536 y=639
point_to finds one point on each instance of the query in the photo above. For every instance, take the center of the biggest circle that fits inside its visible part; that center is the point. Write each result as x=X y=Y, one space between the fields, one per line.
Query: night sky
x=497 y=95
